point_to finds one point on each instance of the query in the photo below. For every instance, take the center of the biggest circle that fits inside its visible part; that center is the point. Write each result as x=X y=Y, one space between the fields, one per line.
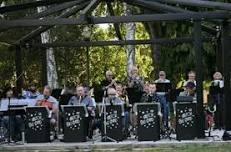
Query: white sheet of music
x=4 y=103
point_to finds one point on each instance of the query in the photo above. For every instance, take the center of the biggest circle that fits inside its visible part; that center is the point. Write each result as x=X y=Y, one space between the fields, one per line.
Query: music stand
x=163 y=87
x=105 y=138
x=74 y=117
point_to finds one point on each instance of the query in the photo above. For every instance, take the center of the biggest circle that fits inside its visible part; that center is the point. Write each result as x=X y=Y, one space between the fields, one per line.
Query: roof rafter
x=199 y=3
x=18 y=7
x=39 y=30
x=114 y=19
x=170 y=41
x=165 y=8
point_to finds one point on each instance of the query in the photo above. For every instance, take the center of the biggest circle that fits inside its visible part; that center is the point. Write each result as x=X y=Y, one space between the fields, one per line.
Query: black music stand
x=114 y=128
x=37 y=125
x=148 y=121
x=186 y=121
x=74 y=123
x=163 y=87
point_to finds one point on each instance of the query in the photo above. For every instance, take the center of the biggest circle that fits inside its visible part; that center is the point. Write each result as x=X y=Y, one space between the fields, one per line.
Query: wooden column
x=225 y=42
x=18 y=66
x=44 y=66
x=199 y=77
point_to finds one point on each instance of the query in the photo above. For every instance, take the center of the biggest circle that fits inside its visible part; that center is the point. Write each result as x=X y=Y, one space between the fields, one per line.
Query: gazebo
x=161 y=10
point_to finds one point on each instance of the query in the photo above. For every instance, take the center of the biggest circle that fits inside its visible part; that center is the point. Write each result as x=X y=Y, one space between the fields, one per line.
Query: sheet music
x=4 y=103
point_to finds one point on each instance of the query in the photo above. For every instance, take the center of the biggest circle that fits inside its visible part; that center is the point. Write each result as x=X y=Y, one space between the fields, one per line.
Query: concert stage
x=127 y=145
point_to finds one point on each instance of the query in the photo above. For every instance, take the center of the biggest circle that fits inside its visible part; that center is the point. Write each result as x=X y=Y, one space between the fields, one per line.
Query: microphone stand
x=105 y=138
x=9 y=121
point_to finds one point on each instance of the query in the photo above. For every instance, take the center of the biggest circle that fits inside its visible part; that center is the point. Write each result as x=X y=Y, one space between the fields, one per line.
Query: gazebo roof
x=163 y=10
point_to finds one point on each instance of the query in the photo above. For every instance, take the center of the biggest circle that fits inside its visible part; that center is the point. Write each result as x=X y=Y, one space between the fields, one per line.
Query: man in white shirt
x=163 y=99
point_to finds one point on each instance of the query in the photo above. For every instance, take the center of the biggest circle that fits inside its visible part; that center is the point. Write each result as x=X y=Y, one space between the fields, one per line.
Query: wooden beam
x=199 y=77
x=34 y=4
x=115 y=19
x=165 y=41
x=199 y=3
x=165 y=8
x=55 y=9
x=39 y=30
x=157 y=6
x=50 y=11
x=90 y=7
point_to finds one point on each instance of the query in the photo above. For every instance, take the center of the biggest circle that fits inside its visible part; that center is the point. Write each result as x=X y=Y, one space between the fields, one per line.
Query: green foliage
x=72 y=62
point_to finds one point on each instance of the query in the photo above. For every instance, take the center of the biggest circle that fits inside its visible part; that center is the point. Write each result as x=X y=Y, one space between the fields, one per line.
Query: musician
x=216 y=94
x=112 y=98
x=46 y=100
x=191 y=78
x=121 y=94
x=217 y=80
x=135 y=86
x=145 y=94
x=82 y=98
x=31 y=93
x=163 y=97
x=109 y=81
x=190 y=90
x=16 y=121
x=153 y=96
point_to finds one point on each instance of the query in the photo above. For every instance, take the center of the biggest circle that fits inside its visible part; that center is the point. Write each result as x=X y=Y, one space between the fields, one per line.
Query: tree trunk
x=52 y=76
x=155 y=32
x=130 y=35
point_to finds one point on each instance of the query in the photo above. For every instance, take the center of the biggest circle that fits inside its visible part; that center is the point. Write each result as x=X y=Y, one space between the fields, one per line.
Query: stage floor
x=127 y=145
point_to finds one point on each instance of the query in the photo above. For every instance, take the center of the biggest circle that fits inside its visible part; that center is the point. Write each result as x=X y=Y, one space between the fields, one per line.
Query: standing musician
x=216 y=94
x=163 y=98
x=135 y=86
x=82 y=98
x=46 y=100
x=109 y=81
x=191 y=78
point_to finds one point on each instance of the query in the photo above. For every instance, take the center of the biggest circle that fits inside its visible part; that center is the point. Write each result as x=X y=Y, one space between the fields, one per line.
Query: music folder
x=163 y=87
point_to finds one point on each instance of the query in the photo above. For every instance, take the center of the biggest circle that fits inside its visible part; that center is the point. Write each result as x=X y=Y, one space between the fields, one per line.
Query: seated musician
x=16 y=121
x=145 y=93
x=31 y=93
x=112 y=98
x=190 y=89
x=82 y=98
x=46 y=100
x=121 y=94
x=153 y=97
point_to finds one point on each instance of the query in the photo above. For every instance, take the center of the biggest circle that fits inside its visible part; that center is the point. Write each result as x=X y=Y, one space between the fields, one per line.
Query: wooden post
x=18 y=66
x=225 y=41
x=199 y=77
x=44 y=66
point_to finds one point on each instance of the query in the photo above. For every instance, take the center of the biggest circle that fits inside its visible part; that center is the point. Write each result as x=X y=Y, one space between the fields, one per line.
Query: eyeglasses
x=161 y=75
